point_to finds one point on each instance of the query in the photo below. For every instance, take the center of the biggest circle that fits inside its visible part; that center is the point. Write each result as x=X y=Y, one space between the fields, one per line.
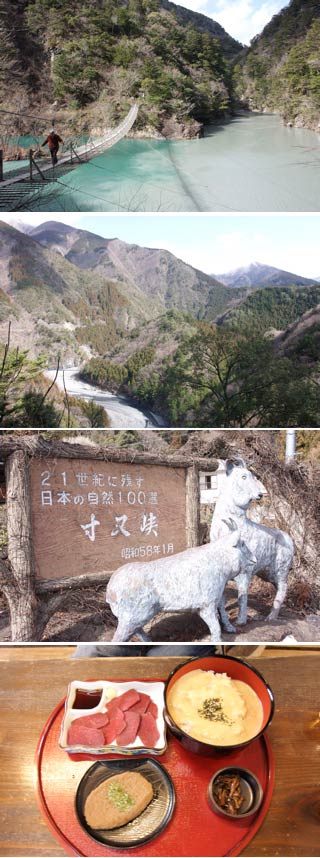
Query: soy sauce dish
x=217 y=704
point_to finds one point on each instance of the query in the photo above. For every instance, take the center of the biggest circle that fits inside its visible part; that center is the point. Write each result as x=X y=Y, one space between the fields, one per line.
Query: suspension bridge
x=20 y=185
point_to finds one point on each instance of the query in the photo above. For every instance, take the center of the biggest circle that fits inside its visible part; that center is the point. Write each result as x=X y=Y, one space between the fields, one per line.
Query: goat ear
x=240 y=462
x=229 y=466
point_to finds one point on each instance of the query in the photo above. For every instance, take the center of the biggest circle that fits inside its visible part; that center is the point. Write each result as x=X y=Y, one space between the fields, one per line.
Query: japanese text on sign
x=107 y=514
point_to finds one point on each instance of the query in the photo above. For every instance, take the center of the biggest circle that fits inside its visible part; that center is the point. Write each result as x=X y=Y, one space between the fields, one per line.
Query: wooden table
x=29 y=691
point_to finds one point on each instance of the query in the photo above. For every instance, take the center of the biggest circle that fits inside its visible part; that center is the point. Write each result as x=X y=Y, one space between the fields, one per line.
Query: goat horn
x=231 y=525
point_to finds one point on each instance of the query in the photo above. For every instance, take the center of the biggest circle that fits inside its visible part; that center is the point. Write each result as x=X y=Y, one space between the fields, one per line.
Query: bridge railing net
x=19 y=144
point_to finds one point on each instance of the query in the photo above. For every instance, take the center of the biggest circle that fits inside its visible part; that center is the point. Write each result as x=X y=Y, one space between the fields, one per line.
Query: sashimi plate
x=90 y=729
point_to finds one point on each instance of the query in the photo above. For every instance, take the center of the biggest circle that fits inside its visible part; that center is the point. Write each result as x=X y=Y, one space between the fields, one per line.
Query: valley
x=220 y=126
x=144 y=338
x=189 y=70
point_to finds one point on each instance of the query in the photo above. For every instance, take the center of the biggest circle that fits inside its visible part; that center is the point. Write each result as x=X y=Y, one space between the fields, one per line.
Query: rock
x=173 y=129
x=147 y=132
x=299 y=121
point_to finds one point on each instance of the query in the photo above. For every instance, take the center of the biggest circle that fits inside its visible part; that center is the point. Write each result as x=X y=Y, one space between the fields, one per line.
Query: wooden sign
x=92 y=516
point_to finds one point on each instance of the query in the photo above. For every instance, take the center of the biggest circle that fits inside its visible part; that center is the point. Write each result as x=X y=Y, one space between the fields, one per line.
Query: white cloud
x=224 y=252
x=237 y=249
x=233 y=249
x=227 y=251
x=242 y=19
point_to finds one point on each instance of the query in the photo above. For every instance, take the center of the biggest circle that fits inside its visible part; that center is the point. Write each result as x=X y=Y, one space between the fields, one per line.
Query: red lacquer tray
x=194 y=830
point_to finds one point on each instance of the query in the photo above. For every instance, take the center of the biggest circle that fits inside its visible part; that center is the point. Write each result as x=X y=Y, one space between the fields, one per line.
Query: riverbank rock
x=173 y=129
x=147 y=132
x=300 y=121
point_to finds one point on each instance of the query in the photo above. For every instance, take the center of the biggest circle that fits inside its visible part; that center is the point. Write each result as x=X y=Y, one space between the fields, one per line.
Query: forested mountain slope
x=90 y=59
x=280 y=72
x=272 y=307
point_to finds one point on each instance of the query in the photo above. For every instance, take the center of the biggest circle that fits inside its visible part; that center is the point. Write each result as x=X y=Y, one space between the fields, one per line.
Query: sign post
x=76 y=513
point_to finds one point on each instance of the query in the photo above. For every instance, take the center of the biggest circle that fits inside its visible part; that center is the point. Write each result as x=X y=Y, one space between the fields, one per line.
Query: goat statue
x=193 y=579
x=272 y=548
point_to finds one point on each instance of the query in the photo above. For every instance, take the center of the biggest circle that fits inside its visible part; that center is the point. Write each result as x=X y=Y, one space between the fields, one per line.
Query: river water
x=120 y=411
x=252 y=163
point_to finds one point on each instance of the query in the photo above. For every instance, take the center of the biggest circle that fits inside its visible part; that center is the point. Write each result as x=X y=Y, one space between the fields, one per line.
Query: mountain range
x=258 y=276
x=70 y=290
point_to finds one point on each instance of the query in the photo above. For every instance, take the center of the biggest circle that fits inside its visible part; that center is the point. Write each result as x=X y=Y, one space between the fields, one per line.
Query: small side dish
x=235 y=792
x=227 y=793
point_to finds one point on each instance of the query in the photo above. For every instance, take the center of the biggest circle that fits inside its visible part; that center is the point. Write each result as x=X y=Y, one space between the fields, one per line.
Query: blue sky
x=213 y=243
x=243 y=19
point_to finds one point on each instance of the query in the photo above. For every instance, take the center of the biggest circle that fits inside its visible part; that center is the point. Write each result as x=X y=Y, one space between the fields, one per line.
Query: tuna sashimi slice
x=142 y=704
x=153 y=709
x=97 y=719
x=148 y=730
x=116 y=724
x=112 y=704
x=88 y=736
x=124 y=701
x=129 y=734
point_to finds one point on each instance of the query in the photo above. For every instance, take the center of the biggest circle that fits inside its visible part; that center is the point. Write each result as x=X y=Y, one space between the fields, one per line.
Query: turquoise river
x=252 y=163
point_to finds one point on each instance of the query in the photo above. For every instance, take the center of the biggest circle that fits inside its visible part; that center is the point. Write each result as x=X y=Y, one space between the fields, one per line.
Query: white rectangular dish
x=110 y=691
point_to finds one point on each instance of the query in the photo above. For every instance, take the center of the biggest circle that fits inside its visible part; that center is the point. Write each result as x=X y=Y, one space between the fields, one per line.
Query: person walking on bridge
x=53 y=141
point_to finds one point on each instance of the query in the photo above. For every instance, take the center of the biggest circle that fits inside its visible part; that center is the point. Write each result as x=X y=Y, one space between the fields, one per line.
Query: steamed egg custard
x=214 y=708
